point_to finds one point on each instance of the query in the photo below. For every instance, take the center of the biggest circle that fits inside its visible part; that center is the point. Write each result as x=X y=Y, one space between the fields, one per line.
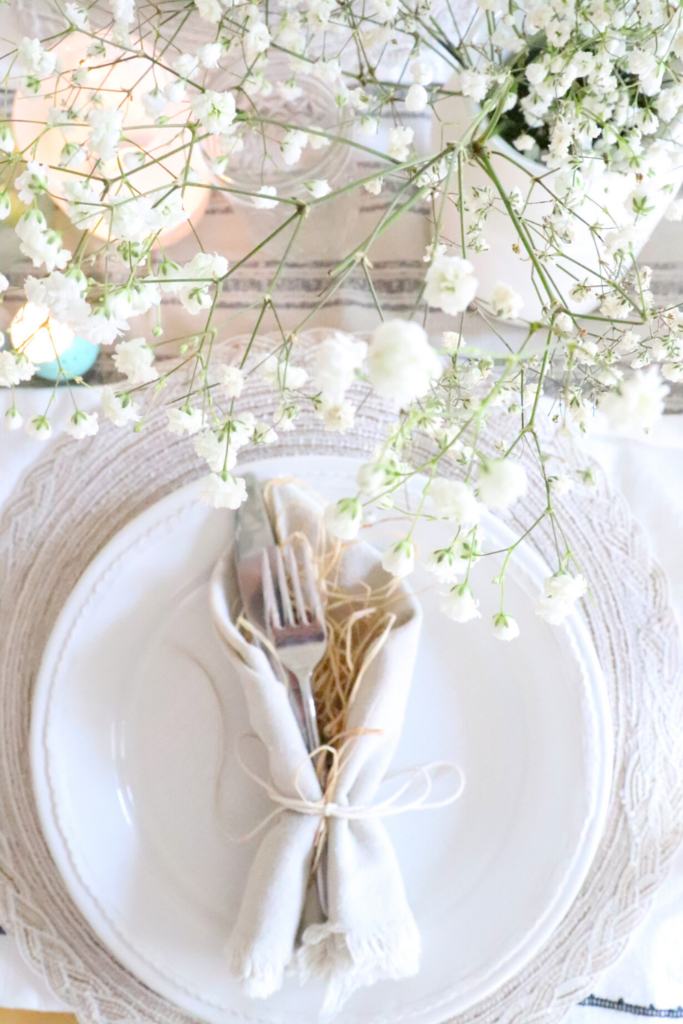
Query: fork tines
x=291 y=597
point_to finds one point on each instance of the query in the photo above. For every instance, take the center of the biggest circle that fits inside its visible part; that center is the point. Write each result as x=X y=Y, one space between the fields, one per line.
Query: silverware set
x=281 y=599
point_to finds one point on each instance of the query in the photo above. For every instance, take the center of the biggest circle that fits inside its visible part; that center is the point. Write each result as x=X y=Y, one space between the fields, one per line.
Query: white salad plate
x=142 y=800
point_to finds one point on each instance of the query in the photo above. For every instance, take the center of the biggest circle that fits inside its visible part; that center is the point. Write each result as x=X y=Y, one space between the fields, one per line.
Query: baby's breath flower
x=673 y=372
x=452 y=340
x=524 y=143
x=209 y=55
x=7 y=143
x=214 y=451
x=292 y=146
x=240 y=429
x=400 y=140
x=231 y=380
x=369 y=125
x=640 y=201
x=119 y=409
x=14 y=367
x=135 y=359
x=501 y=483
x=560 y=484
x=417 y=98
x=223 y=490
x=82 y=425
x=39 y=428
x=343 y=518
x=338 y=416
x=379 y=474
x=337 y=360
x=638 y=401
x=198 y=275
x=257 y=40
x=186 y=65
x=316 y=141
x=560 y=594
x=615 y=307
x=35 y=61
x=675 y=210
x=13 y=418
x=563 y=324
x=399 y=559
x=450 y=284
x=209 y=10
x=460 y=604
x=32 y=183
x=78 y=16
x=454 y=500
x=318 y=189
x=263 y=433
x=422 y=71
x=264 y=201
x=185 y=420
x=446 y=565
x=105 y=131
x=506 y=302
x=401 y=364
x=214 y=110
x=505 y=627
x=474 y=84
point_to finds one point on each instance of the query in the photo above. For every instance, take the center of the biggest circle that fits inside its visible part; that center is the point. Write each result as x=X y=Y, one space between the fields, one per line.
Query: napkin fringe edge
x=259 y=976
x=348 y=959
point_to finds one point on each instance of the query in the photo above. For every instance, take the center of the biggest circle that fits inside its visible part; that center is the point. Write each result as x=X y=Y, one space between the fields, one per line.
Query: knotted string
x=326 y=807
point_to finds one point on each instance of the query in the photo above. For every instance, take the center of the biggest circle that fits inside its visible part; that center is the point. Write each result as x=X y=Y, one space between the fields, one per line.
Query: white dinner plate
x=135 y=721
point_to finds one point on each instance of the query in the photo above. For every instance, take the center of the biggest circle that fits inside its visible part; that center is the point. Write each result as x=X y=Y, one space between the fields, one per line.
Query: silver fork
x=297 y=631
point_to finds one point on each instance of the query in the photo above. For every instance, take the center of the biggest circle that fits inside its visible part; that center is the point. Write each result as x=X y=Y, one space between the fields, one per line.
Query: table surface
x=35 y=1017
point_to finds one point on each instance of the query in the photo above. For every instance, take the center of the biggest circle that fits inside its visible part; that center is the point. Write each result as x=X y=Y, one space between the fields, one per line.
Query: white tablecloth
x=648 y=471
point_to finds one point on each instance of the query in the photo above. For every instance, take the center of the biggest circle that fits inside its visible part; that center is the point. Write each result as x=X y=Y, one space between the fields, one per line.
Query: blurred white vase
x=507 y=260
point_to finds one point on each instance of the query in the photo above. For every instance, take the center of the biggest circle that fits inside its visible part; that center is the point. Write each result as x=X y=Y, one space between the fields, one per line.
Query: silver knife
x=253 y=533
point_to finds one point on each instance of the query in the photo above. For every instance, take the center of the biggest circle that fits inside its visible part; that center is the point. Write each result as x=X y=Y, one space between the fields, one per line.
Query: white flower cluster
x=603 y=84
x=587 y=88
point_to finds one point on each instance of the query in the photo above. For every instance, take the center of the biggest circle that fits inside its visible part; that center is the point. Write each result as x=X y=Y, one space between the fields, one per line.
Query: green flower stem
x=541 y=377
x=261 y=245
x=368 y=277
x=454 y=153
x=267 y=299
x=423 y=498
x=484 y=161
x=461 y=207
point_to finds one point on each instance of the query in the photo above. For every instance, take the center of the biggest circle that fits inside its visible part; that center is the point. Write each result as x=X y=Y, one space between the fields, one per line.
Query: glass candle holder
x=256 y=159
x=153 y=158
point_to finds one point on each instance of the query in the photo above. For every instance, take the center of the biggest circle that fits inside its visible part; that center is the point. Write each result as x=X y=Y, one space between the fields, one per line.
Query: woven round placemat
x=79 y=495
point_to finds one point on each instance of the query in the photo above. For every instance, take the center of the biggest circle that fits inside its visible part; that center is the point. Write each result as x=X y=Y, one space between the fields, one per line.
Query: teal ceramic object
x=76 y=361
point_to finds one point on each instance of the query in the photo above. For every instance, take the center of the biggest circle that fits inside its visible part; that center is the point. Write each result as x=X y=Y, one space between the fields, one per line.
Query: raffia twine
x=78 y=496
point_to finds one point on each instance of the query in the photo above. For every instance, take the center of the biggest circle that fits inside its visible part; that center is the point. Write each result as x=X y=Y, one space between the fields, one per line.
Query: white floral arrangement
x=566 y=92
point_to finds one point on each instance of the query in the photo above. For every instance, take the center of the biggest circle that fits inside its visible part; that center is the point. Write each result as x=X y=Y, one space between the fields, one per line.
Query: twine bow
x=326 y=807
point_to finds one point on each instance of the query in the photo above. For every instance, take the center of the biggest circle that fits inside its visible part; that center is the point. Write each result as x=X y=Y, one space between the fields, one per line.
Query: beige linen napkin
x=370 y=933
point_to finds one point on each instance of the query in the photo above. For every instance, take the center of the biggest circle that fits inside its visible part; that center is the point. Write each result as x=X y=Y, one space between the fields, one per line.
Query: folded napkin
x=370 y=932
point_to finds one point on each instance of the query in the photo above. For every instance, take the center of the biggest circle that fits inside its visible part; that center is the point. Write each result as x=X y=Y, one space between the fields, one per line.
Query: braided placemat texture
x=79 y=495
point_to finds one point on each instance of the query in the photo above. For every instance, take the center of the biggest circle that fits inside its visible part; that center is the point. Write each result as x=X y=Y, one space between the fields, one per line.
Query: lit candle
x=51 y=346
x=142 y=158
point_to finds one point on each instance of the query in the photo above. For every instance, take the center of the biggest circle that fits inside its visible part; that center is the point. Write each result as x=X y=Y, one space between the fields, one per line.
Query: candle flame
x=38 y=335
